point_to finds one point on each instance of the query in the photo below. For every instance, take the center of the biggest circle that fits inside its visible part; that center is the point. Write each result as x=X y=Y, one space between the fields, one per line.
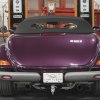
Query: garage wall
x=4 y=2
x=97 y=4
x=57 y=3
x=33 y=4
x=0 y=21
x=70 y=4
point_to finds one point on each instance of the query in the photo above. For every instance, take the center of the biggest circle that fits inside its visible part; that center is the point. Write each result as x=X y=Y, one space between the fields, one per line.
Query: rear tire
x=96 y=88
x=6 y=88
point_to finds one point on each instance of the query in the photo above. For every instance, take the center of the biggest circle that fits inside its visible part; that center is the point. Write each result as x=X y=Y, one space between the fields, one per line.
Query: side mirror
x=3 y=29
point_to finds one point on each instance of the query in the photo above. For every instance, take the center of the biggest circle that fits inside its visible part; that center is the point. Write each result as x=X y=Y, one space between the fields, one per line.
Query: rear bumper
x=36 y=77
x=82 y=76
x=21 y=76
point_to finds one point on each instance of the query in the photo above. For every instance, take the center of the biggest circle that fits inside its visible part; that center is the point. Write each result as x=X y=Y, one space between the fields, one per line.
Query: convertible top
x=25 y=27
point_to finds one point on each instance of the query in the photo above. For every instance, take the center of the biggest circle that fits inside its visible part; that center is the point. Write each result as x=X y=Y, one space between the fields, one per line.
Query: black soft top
x=25 y=27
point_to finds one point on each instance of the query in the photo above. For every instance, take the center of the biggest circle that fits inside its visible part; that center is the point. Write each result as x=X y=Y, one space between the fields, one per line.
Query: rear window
x=55 y=24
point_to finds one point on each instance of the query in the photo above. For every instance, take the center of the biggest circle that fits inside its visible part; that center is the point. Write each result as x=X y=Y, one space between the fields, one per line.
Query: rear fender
x=3 y=55
x=97 y=59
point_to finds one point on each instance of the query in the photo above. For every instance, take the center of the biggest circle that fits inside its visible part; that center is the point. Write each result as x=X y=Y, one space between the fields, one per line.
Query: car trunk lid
x=52 y=51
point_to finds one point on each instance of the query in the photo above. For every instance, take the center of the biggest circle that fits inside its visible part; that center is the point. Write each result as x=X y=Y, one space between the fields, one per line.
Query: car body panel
x=71 y=50
x=52 y=51
x=3 y=55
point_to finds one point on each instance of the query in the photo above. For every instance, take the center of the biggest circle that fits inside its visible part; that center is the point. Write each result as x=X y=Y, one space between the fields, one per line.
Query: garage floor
x=40 y=95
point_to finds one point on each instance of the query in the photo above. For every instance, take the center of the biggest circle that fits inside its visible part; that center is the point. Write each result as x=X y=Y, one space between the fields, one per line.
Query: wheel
x=6 y=88
x=96 y=88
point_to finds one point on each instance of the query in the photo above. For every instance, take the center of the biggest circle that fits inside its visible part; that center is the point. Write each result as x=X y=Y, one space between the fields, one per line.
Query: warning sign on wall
x=85 y=10
x=84 y=5
x=17 y=12
x=17 y=6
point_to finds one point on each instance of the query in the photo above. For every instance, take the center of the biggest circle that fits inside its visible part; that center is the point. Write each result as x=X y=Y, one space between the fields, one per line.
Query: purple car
x=51 y=53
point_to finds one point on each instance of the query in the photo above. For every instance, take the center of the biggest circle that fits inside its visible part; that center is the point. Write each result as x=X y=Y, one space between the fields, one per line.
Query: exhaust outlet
x=80 y=88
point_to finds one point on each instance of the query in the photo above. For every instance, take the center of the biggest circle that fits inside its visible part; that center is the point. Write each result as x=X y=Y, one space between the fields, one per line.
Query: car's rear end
x=51 y=58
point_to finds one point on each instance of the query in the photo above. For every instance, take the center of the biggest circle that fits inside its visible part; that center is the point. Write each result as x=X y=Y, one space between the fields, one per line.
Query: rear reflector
x=6 y=77
x=4 y=62
x=97 y=77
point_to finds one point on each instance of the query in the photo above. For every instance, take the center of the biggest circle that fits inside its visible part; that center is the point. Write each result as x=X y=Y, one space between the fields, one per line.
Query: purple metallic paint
x=70 y=50
x=3 y=55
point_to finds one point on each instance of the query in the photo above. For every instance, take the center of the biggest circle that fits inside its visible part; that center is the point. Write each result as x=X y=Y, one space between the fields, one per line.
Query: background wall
x=0 y=20
x=70 y=4
x=97 y=4
x=3 y=2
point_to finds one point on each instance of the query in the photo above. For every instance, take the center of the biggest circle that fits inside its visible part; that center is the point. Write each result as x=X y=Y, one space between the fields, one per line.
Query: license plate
x=53 y=77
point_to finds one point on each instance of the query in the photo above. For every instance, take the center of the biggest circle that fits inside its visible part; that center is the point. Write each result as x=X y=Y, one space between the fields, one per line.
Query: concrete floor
x=40 y=95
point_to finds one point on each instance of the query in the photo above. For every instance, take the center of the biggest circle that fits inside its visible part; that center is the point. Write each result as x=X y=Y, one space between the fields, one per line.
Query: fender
x=5 y=62
x=97 y=62
x=3 y=55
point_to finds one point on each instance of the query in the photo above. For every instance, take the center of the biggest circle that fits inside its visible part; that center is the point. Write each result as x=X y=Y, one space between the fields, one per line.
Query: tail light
x=97 y=76
x=4 y=63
